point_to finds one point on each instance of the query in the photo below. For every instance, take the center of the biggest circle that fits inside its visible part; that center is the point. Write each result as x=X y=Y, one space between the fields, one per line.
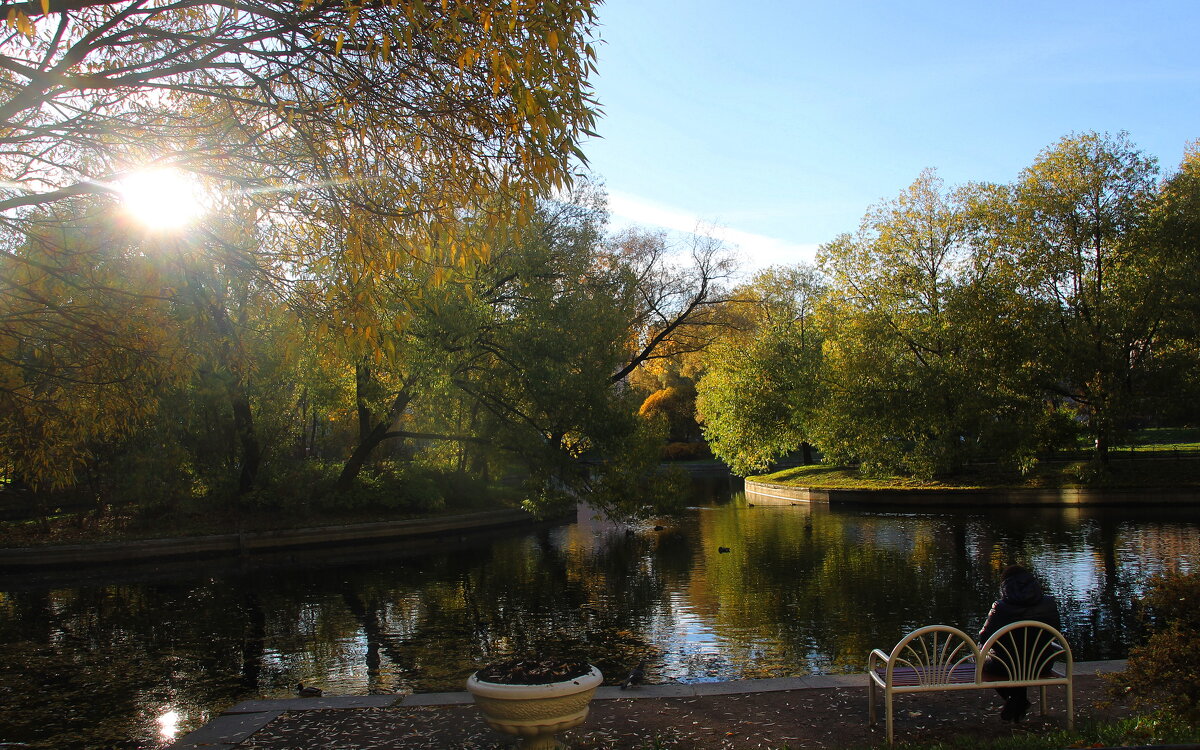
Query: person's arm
x=991 y=624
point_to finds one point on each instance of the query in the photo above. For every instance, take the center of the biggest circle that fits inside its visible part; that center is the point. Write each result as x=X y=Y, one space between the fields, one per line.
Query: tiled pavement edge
x=236 y=724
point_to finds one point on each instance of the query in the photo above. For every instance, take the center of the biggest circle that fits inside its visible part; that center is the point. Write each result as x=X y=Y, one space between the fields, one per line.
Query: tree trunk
x=1102 y=446
x=239 y=402
x=358 y=457
x=243 y=424
x=362 y=384
x=370 y=435
x=1102 y=424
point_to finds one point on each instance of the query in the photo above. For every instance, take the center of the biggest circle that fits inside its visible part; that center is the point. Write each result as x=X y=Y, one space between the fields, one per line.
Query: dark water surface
x=129 y=659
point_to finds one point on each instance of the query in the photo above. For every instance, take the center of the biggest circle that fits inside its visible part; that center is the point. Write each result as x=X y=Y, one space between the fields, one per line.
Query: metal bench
x=940 y=657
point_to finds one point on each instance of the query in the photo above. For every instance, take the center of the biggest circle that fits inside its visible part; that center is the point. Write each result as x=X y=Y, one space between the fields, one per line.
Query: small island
x=1161 y=467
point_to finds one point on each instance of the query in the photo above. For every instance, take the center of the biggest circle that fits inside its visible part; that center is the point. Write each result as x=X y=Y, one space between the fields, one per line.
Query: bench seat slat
x=962 y=674
x=910 y=676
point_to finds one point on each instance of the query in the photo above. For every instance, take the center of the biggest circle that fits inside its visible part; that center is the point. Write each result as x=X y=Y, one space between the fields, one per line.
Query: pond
x=130 y=659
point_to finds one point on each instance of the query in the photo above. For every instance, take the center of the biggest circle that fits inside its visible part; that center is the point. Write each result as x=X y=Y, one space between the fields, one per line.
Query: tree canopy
x=340 y=146
x=982 y=323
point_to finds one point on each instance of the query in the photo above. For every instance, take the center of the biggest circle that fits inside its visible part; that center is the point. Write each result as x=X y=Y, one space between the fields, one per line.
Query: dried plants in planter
x=533 y=671
x=534 y=698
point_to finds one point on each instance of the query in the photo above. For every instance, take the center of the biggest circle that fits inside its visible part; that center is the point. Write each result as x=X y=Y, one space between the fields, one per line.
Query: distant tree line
x=984 y=322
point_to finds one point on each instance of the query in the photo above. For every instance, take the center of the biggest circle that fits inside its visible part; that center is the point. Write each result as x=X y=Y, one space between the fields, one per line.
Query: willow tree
x=369 y=121
x=479 y=95
x=507 y=364
x=83 y=344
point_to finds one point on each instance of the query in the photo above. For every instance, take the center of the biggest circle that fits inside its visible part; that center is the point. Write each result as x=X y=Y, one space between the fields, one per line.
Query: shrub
x=685 y=451
x=1165 y=670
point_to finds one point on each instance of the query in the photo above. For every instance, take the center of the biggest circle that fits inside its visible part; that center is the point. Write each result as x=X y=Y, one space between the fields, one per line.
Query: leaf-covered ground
x=835 y=718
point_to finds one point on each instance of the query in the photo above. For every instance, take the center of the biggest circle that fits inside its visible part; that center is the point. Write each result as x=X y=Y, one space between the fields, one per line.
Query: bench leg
x=887 y=706
x=870 y=701
x=1070 y=706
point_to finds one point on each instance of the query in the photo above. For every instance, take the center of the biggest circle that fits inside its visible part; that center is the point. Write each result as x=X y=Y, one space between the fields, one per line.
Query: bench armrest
x=876 y=656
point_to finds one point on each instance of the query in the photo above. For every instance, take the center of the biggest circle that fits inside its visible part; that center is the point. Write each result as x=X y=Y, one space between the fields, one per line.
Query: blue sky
x=782 y=122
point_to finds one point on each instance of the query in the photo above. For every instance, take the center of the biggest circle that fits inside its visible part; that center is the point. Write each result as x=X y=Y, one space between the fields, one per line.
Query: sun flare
x=162 y=199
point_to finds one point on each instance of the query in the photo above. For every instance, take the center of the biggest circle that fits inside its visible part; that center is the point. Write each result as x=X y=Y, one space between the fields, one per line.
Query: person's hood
x=1021 y=589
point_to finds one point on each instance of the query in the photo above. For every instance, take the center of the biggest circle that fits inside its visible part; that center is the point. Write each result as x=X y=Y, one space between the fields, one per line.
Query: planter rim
x=588 y=681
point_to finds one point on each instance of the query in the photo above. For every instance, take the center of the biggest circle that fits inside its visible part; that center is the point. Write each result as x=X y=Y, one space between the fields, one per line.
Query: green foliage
x=154 y=478
x=1165 y=670
x=389 y=488
x=1088 y=473
x=754 y=399
x=1091 y=274
x=984 y=323
x=919 y=364
x=760 y=389
x=626 y=480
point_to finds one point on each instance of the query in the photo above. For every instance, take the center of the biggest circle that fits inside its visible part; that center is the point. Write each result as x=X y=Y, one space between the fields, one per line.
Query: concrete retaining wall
x=255 y=542
x=764 y=493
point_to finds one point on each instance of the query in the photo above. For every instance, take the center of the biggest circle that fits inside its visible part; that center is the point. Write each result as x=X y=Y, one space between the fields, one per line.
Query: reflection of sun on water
x=163 y=199
x=168 y=725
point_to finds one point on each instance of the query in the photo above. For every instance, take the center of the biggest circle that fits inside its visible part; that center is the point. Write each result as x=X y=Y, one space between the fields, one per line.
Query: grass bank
x=1181 y=472
x=1157 y=458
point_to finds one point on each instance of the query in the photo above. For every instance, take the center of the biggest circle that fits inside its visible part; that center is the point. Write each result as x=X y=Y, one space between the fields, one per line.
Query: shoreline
x=264 y=544
x=770 y=493
x=260 y=543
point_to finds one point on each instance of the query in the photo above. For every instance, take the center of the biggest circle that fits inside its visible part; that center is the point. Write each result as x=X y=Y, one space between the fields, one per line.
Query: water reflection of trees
x=83 y=666
x=802 y=589
x=814 y=589
x=548 y=593
x=820 y=589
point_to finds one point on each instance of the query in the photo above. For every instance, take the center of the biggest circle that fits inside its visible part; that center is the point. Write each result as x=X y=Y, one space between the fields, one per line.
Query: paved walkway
x=799 y=712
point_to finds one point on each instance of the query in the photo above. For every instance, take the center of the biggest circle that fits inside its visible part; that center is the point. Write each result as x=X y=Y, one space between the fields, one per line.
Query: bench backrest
x=933 y=653
x=1026 y=650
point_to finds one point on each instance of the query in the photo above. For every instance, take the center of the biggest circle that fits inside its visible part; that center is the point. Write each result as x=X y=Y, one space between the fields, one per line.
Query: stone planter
x=535 y=712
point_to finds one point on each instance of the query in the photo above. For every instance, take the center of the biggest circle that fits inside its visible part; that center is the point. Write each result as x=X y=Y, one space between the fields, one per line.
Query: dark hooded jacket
x=1021 y=598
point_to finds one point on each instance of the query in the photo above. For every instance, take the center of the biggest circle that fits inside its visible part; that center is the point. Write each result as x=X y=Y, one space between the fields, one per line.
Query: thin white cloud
x=757 y=250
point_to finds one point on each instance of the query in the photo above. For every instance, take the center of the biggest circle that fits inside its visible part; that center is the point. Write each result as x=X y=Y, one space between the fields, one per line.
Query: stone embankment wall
x=764 y=493
x=258 y=542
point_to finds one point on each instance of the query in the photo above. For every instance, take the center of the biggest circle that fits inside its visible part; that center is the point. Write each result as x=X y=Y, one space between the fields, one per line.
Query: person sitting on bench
x=1021 y=598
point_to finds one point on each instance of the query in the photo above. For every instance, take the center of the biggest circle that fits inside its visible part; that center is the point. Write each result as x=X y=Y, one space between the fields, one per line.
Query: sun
x=162 y=198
